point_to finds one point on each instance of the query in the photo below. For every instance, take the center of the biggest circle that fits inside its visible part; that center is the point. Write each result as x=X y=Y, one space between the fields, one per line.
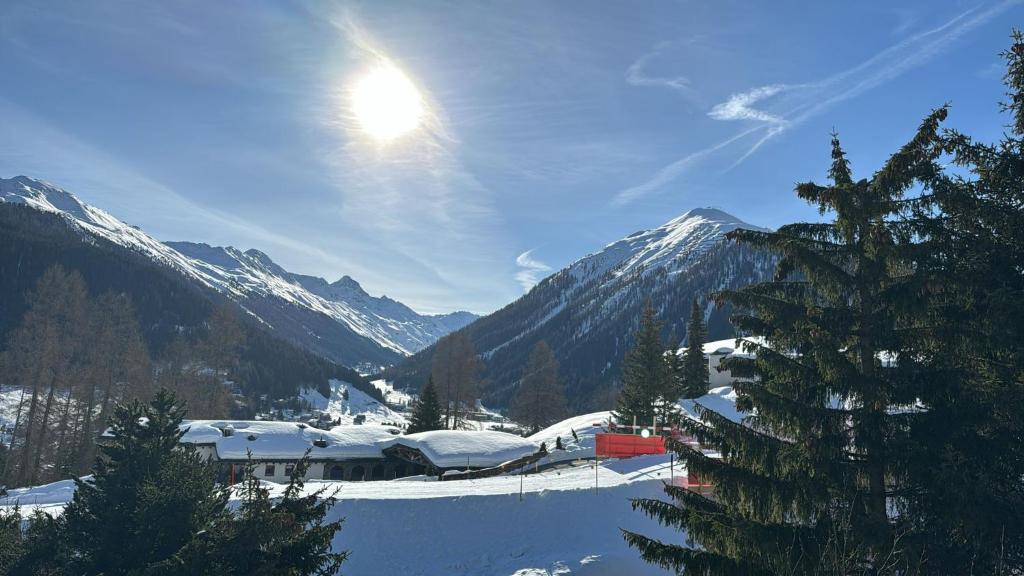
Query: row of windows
x=270 y=469
x=352 y=473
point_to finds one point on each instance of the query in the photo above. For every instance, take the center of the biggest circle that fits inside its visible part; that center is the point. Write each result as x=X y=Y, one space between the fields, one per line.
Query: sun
x=386 y=103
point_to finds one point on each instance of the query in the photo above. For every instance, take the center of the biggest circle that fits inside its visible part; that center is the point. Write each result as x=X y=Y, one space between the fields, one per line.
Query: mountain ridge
x=588 y=310
x=367 y=330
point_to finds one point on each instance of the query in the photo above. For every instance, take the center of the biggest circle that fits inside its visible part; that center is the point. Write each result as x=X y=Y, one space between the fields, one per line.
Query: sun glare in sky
x=386 y=103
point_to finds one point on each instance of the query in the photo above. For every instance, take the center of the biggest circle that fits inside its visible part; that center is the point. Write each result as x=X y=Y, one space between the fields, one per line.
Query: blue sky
x=552 y=128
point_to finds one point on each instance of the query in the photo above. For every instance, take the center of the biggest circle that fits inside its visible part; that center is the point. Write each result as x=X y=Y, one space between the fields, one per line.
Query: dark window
x=358 y=474
x=268 y=470
x=379 y=472
x=288 y=469
x=337 y=472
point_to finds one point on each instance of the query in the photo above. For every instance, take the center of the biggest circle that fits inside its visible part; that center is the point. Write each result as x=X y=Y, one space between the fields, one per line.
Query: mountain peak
x=347 y=281
x=710 y=213
x=673 y=246
x=42 y=196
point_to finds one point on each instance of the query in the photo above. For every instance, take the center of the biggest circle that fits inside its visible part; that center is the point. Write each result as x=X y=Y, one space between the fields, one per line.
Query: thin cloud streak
x=533 y=270
x=676 y=169
x=777 y=108
x=636 y=75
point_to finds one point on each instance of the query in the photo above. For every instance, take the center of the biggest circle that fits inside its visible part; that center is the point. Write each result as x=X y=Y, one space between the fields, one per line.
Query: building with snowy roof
x=348 y=452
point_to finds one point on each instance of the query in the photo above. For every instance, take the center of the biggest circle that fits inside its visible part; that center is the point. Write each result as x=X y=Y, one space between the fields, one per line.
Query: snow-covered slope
x=346 y=409
x=387 y=322
x=588 y=311
x=330 y=318
x=672 y=246
x=417 y=526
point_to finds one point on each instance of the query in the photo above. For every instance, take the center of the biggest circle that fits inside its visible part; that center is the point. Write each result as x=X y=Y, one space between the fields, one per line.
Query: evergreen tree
x=805 y=485
x=969 y=458
x=148 y=498
x=426 y=412
x=694 y=376
x=540 y=399
x=647 y=383
x=153 y=507
x=267 y=538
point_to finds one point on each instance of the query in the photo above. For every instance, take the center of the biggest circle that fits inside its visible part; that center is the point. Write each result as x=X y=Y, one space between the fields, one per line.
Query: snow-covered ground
x=9 y=399
x=358 y=403
x=419 y=526
x=391 y=395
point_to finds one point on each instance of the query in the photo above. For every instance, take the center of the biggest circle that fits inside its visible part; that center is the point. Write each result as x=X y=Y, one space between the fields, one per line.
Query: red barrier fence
x=627 y=445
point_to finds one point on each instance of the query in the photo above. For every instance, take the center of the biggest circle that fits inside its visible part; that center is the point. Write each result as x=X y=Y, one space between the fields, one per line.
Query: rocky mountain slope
x=588 y=311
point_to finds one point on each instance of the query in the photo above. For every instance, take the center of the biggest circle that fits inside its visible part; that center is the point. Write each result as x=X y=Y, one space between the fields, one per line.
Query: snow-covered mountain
x=338 y=320
x=588 y=311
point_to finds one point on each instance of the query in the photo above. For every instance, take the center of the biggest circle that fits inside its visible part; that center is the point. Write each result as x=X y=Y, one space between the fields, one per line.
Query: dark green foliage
x=648 y=387
x=265 y=537
x=805 y=486
x=693 y=374
x=426 y=413
x=37 y=549
x=969 y=454
x=152 y=507
x=148 y=496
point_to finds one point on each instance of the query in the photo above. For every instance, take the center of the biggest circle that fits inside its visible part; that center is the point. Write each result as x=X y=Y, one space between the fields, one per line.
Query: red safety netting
x=627 y=445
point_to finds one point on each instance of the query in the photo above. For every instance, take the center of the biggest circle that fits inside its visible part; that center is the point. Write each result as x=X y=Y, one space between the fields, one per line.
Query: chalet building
x=348 y=452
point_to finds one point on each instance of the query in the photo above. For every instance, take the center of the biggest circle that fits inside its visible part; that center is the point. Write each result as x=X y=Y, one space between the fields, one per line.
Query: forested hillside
x=166 y=306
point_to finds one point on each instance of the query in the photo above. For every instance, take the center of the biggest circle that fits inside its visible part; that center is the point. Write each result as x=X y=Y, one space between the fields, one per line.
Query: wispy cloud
x=740 y=106
x=637 y=75
x=776 y=108
x=533 y=270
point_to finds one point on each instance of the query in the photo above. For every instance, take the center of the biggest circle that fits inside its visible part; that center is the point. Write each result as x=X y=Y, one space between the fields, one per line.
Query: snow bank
x=465 y=448
x=49 y=498
x=287 y=440
x=585 y=426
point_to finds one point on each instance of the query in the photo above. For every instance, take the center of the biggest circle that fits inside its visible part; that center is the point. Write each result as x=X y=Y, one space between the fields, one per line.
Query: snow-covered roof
x=468 y=448
x=721 y=400
x=287 y=440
